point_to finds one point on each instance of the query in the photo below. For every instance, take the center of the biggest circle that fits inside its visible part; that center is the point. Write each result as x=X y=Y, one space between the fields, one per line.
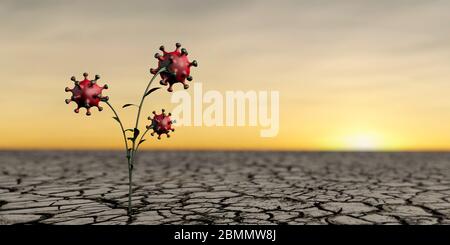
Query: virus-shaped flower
x=178 y=67
x=173 y=67
x=87 y=93
x=161 y=124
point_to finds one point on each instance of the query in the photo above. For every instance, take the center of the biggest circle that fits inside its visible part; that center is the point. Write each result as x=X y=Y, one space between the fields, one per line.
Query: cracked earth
x=225 y=188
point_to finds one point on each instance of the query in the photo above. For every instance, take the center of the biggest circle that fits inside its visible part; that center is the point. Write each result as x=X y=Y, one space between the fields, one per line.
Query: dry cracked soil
x=86 y=187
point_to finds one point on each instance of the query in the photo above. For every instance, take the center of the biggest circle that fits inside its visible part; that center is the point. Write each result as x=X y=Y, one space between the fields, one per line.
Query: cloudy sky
x=351 y=74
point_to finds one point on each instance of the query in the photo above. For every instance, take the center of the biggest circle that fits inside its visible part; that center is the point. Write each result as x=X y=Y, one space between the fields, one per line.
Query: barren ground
x=225 y=188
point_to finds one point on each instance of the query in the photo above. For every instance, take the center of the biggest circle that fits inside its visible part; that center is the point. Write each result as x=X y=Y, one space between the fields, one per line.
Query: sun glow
x=362 y=141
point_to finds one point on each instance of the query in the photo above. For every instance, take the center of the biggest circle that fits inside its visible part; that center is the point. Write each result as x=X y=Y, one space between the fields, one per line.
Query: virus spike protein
x=86 y=94
x=177 y=65
x=161 y=124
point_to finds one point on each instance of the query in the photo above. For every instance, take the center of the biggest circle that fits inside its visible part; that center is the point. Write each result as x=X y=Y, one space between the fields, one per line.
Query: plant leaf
x=126 y=105
x=130 y=138
x=151 y=91
x=129 y=129
x=140 y=142
x=136 y=133
x=117 y=119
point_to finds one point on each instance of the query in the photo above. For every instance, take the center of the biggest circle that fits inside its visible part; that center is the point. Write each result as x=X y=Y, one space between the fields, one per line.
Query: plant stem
x=142 y=136
x=126 y=148
x=143 y=96
x=121 y=126
x=130 y=181
x=134 y=146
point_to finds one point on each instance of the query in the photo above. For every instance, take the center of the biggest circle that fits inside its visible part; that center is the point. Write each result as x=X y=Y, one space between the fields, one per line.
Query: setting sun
x=362 y=141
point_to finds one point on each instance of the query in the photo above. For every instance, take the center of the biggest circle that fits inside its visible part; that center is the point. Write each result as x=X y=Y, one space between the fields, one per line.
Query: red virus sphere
x=178 y=67
x=86 y=93
x=161 y=124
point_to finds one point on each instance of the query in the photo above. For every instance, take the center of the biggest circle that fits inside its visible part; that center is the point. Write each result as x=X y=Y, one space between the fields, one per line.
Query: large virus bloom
x=86 y=94
x=177 y=67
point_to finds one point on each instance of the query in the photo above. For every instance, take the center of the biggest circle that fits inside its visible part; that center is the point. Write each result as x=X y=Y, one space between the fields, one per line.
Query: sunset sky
x=352 y=75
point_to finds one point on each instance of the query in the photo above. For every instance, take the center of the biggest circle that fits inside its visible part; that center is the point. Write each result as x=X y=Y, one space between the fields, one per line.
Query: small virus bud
x=161 y=124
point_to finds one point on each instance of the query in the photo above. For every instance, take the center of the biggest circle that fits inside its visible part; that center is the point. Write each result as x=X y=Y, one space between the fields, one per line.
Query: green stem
x=143 y=96
x=142 y=136
x=121 y=126
x=130 y=181
x=134 y=146
x=126 y=148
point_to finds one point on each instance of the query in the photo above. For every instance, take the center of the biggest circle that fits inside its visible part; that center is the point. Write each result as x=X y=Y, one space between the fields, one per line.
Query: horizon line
x=229 y=150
